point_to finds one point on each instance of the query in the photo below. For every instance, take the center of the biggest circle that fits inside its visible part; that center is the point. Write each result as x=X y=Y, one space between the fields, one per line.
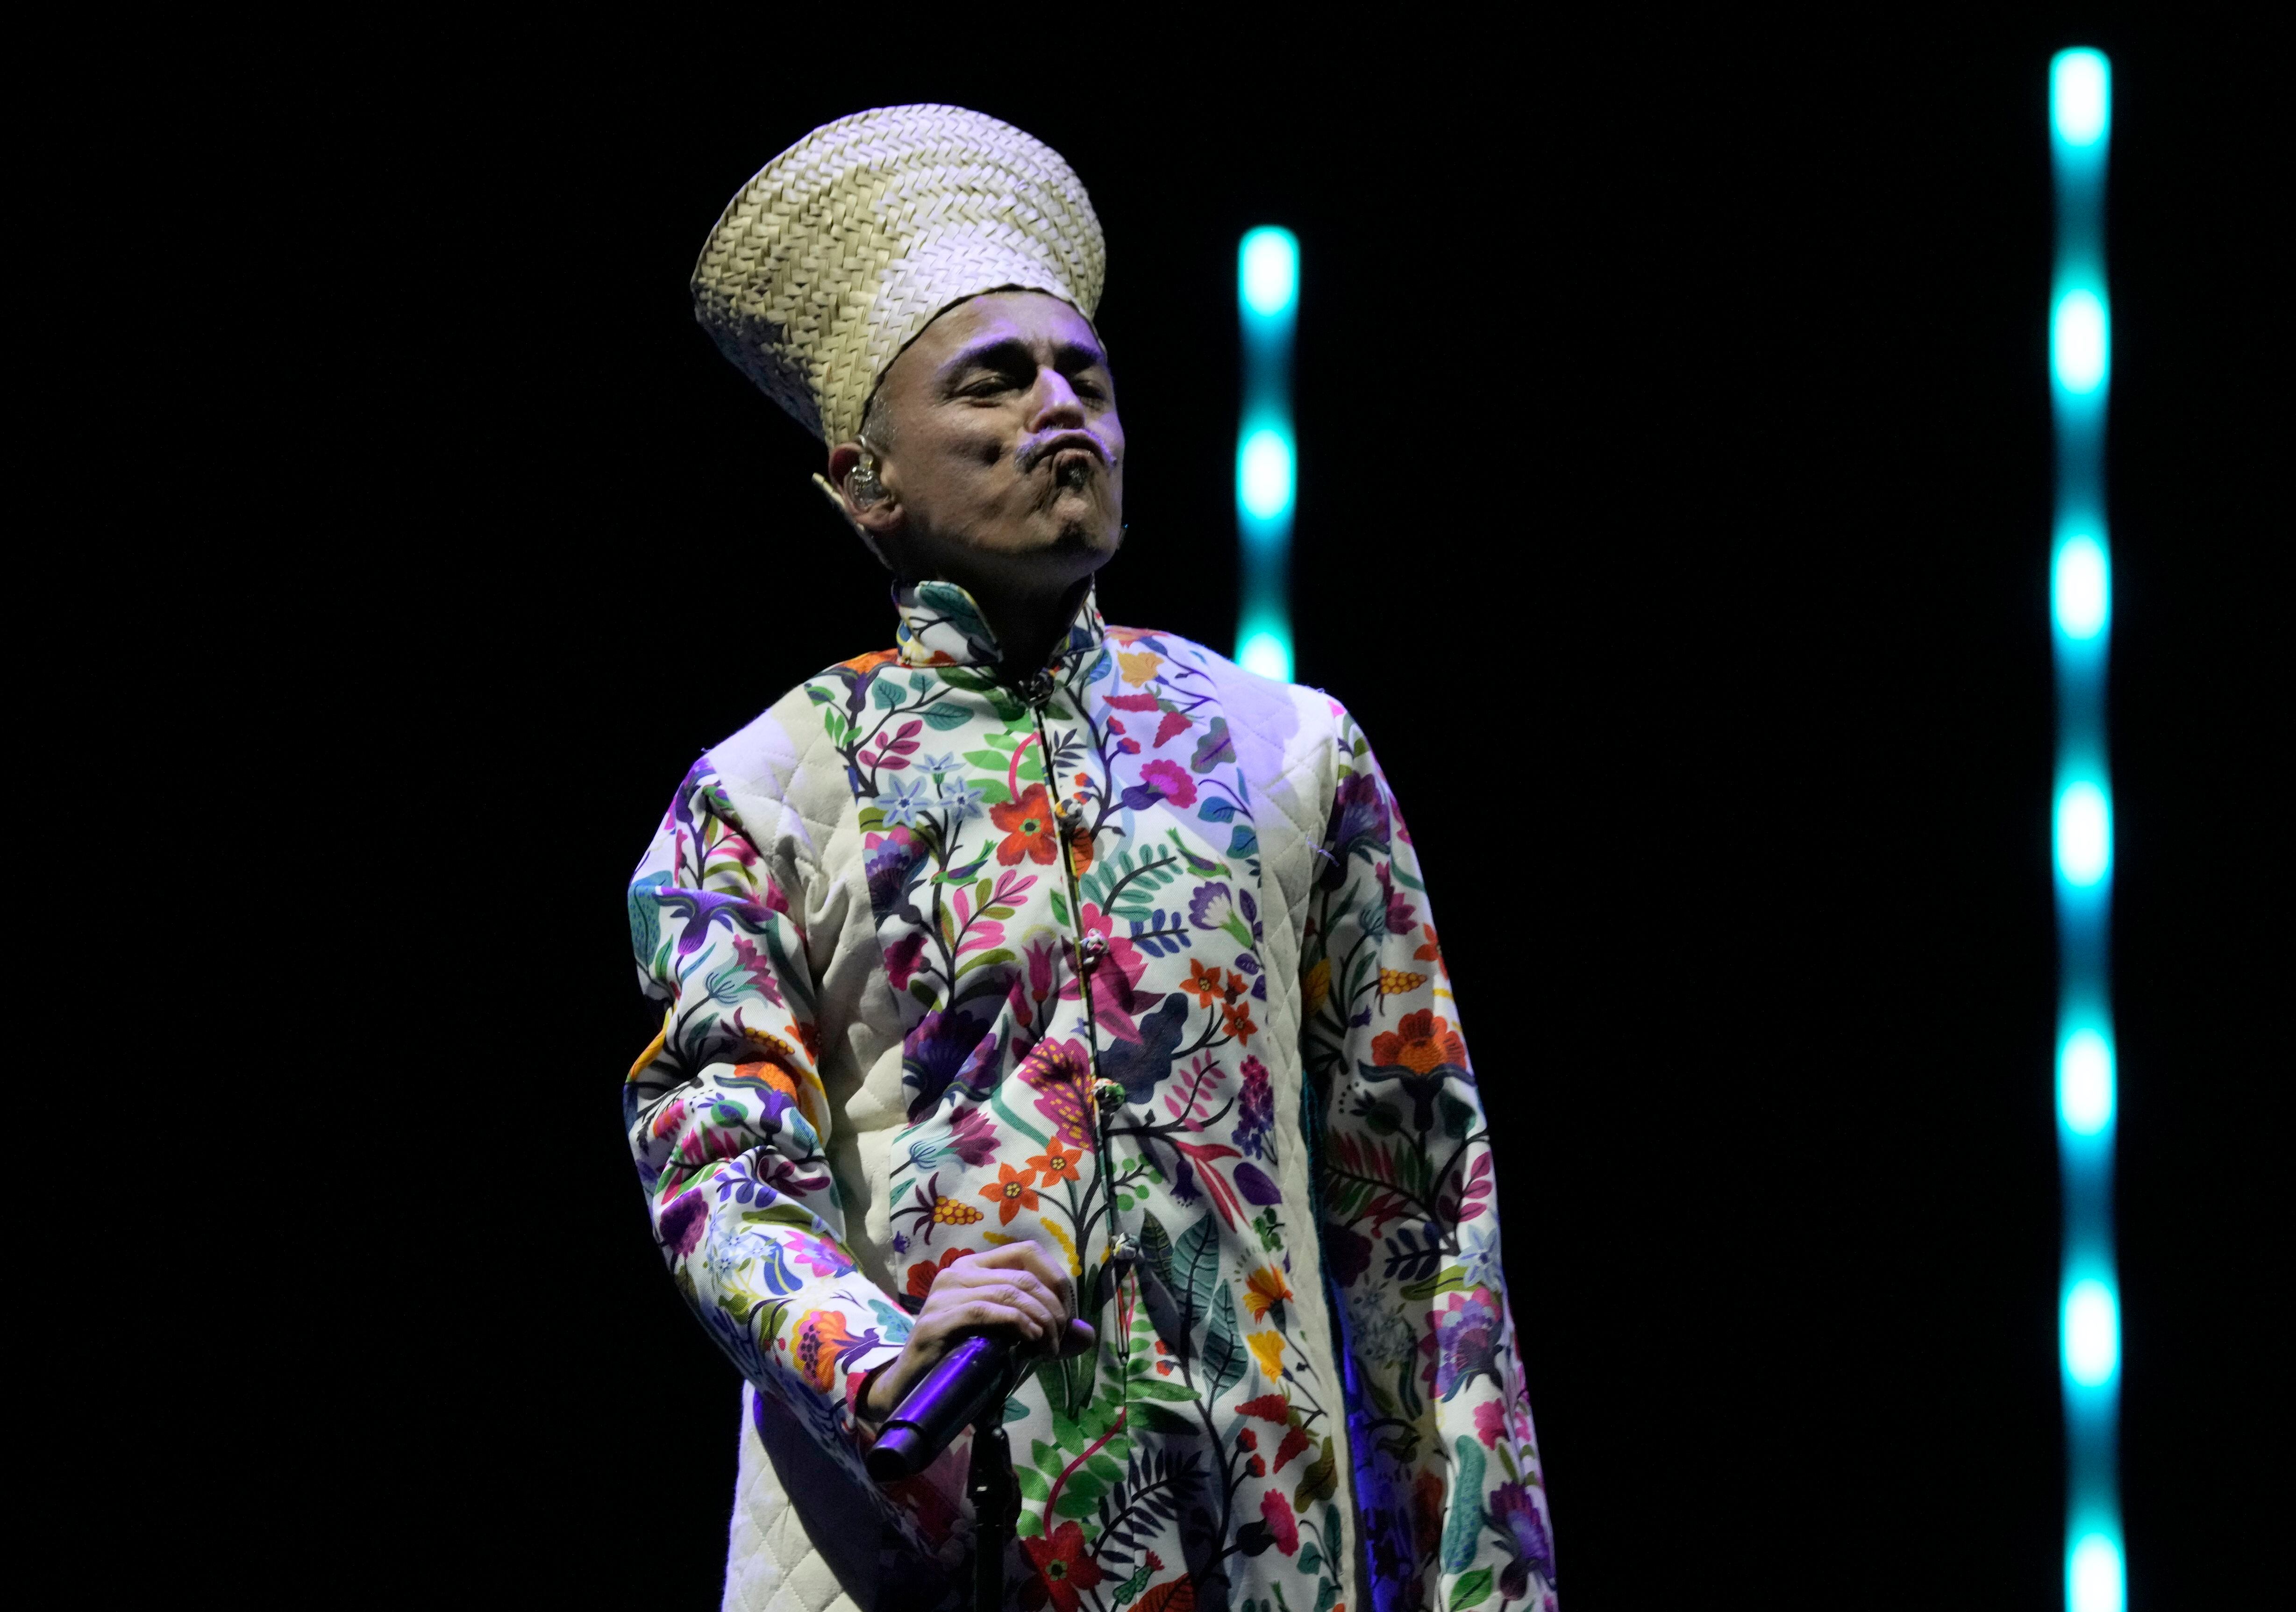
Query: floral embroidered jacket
x=1130 y=959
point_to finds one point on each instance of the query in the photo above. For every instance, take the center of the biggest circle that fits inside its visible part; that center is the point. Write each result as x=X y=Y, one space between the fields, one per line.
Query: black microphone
x=969 y=1381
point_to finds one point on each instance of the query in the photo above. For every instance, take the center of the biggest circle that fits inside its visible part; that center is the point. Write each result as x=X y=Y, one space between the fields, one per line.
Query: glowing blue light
x=2084 y=1083
x=2080 y=343
x=2094 y=1581
x=2084 y=834
x=2082 y=585
x=2080 y=97
x=1264 y=473
x=1267 y=652
x=1268 y=271
x=2091 y=1334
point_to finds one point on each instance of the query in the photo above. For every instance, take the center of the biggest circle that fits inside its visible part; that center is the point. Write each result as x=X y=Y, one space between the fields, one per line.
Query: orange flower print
x=1012 y=1192
x=1237 y=1017
x=1029 y=828
x=1264 y=1290
x=1420 y=1042
x=1080 y=851
x=1202 y=983
x=818 y=1337
x=1432 y=951
x=1057 y=1162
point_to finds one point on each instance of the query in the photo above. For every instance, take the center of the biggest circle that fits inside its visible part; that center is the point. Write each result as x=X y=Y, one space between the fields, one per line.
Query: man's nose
x=1057 y=404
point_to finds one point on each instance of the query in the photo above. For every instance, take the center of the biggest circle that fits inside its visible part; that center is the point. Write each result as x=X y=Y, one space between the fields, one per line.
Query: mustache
x=1037 y=451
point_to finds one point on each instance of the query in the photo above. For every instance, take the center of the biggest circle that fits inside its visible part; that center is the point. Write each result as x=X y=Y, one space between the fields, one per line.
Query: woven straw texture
x=844 y=247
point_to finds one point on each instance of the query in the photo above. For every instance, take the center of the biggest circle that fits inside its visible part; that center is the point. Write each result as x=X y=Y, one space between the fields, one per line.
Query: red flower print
x=1115 y=979
x=1275 y=1512
x=1426 y=1513
x=923 y=1274
x=1420 y=1042
x=1057 y=1162
x=1012 y=1192
x=1171 y=781
x=1063 y=1563
x=1029 y=828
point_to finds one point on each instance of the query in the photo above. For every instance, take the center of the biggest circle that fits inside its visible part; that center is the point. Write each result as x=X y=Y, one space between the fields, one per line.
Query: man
x=1056 y=980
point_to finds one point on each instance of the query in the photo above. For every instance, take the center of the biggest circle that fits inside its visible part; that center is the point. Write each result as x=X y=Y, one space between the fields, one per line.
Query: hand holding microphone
x=986 y=1313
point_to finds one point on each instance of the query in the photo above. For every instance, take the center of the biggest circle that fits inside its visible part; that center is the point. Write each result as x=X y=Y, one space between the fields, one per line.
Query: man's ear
x=876 y=519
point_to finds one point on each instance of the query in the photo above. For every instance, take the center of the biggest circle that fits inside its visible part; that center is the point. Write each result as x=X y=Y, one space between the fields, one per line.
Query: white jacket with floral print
x=1130 y=959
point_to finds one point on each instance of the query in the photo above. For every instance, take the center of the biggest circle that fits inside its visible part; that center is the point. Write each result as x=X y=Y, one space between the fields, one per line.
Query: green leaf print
x=1472 y=1591
x=1321 y=1480
x=1225 y=1355
x=1450 y=1279
x=885 y=694
x=944 y=715
x=1466 y=1519
x=1196 y=1270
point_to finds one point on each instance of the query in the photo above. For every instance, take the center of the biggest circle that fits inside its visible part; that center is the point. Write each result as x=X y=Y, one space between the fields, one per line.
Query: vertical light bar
x=2080 y=594
x=1267 y=295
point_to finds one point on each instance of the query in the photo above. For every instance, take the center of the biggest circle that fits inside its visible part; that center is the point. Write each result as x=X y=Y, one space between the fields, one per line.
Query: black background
x=1673 y=512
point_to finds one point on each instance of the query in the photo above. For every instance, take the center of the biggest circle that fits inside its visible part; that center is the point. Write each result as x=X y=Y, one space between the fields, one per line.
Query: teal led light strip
x=1267 y=295
x=2080 y=594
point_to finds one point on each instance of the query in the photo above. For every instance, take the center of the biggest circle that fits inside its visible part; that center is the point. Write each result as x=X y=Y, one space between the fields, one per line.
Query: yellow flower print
x=1139 y=665
x=1319 y=984
x=1395 y=982
x=1267 y=1349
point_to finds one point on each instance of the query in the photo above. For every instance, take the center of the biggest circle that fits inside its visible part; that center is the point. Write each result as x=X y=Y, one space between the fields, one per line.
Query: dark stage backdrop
x=1674 y=513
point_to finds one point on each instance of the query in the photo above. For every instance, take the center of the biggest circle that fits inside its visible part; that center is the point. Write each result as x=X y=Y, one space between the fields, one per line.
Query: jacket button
x=1094 y=948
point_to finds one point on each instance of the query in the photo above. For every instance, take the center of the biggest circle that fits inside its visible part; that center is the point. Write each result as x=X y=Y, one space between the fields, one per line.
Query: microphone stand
x=970 y=1384
x=995 y=1500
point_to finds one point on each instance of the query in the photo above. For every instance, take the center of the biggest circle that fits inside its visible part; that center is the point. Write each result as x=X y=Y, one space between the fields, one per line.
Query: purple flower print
x=1255 y=1111
x=1514 y=1512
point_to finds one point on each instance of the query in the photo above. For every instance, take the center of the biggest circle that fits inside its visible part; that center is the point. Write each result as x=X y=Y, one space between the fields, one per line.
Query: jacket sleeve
x=1447 y=1467
x=729 y=1125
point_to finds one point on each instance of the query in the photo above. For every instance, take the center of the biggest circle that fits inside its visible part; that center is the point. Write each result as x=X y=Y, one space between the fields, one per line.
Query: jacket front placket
x=1050 y=700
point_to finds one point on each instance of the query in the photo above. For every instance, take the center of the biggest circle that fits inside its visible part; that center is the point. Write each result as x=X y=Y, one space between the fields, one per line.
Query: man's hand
x=1014 y=1291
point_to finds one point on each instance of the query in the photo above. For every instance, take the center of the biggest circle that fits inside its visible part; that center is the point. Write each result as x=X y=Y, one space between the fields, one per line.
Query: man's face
x=1004 y=463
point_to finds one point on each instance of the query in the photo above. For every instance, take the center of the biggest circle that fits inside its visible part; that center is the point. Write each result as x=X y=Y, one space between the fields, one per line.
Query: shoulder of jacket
x=1293 y=722
x=781 y=774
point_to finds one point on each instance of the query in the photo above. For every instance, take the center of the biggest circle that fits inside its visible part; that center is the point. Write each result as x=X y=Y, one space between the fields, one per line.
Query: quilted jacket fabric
x=1129 y=958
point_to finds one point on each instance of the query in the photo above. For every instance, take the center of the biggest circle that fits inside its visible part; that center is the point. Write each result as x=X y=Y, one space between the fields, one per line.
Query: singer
x=1052 y=982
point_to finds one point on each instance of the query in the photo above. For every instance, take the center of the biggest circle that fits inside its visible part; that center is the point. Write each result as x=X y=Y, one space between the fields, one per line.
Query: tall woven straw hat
x=844 y=247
